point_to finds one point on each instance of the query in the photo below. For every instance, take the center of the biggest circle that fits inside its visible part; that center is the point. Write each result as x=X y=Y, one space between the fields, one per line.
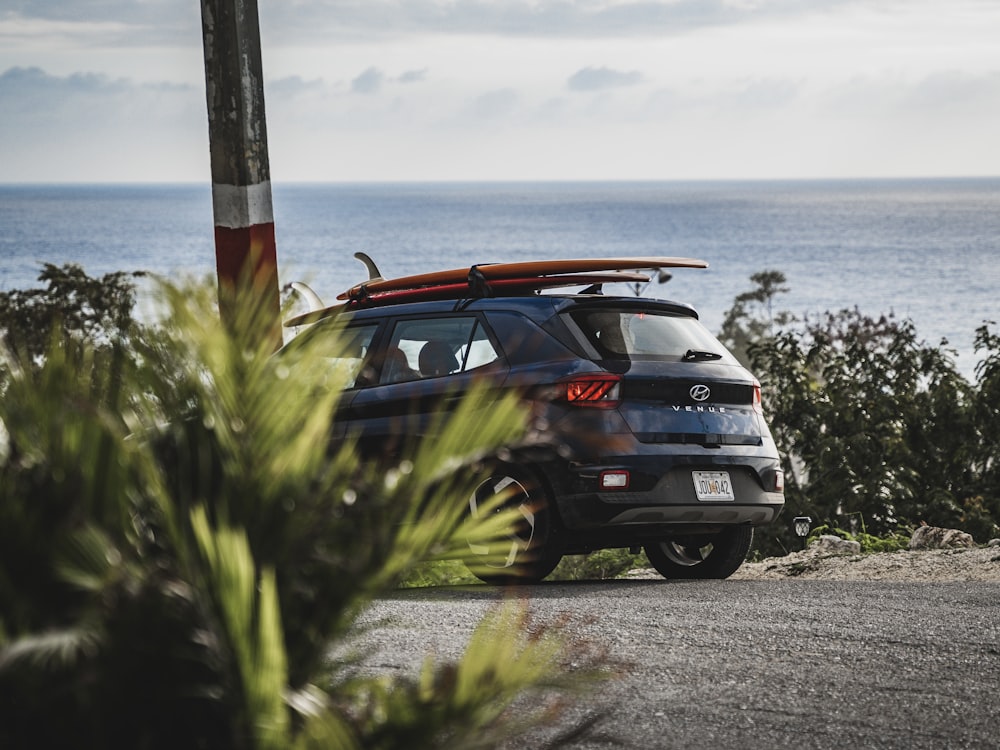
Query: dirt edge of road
x=939 y=565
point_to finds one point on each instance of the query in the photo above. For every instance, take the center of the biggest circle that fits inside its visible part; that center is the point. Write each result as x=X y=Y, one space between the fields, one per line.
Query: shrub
x=871 y=420
x=179 y=549
x=600 y=565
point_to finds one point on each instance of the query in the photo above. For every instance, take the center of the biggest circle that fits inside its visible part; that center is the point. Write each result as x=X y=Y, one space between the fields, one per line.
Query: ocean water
x=924 y=249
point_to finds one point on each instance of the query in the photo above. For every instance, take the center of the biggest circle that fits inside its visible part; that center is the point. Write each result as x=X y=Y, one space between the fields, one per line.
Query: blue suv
x=662 y=441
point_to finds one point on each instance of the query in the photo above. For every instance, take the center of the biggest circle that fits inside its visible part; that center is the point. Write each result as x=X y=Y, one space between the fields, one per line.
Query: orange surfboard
x=462 y=289
x=524 y=269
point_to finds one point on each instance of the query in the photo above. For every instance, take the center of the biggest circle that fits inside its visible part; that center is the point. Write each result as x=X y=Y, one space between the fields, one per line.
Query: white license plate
x=713 y=485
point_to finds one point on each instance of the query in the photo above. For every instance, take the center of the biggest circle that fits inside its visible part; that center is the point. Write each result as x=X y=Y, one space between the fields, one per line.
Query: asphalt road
x=747 y=664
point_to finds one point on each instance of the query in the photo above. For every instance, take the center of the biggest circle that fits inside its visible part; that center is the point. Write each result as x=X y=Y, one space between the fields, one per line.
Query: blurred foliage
x=180 y=548
x=600 y=565
x=605 y=564
x=439 y=573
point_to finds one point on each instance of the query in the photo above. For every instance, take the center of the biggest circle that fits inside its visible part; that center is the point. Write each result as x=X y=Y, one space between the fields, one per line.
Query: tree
x=752 y=317
x=981 y=510
x=72 y=305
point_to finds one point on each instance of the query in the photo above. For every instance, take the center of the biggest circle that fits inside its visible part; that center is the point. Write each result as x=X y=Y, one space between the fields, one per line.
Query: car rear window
x=645 y=334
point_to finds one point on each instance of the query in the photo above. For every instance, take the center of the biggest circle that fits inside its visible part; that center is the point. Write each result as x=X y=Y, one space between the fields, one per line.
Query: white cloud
x=131 y=24
x=413 y=76
x=956 y=93
x=495 y=105
x=116 y=23
x=478 y=89
x=292 y=86
x=598 y=79
x=368 y=82
x=88 y=126
x=591 y=19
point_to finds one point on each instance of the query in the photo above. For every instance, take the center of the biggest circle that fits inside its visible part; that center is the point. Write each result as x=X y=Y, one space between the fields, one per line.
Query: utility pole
x=245 y=253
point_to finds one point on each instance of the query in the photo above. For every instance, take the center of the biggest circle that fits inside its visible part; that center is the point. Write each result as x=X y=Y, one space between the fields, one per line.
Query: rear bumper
x=658 y=499
x=753 y=515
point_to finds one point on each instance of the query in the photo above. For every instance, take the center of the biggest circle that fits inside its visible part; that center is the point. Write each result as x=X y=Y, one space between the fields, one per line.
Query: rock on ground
x=933 y=537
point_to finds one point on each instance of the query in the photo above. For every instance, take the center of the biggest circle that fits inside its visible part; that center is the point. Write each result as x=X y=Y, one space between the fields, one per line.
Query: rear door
x=344 y=349
x=423 y=367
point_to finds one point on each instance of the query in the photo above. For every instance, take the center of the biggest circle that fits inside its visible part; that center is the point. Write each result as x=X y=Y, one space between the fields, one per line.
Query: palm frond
x=248 y=608
x=51 y=650
x=89 y=560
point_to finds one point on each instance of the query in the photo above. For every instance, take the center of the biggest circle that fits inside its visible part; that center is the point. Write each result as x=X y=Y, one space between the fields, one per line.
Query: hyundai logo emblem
x=700 y=392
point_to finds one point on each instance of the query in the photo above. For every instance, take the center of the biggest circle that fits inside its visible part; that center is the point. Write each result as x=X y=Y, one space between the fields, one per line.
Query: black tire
x=704 y=556
x=529 y=553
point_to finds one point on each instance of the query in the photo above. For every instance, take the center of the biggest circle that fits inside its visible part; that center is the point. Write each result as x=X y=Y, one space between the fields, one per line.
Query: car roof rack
x=489 y=280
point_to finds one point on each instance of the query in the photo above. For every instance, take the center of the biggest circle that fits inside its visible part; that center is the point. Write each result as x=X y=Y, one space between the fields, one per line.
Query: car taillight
x=602 y=390
x=758 y=405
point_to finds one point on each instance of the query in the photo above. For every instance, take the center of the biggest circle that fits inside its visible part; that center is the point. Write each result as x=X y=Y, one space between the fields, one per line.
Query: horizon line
x=518 y=181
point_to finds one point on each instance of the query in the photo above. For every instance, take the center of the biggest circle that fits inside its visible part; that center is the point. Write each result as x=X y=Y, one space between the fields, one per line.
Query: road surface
x=747 y=664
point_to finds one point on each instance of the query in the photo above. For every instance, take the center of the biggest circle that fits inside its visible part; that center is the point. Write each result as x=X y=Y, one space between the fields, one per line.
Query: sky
x=429 y=90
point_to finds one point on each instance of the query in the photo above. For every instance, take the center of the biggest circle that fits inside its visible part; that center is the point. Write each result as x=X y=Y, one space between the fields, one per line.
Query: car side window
x=435 y=347
x=345 y=350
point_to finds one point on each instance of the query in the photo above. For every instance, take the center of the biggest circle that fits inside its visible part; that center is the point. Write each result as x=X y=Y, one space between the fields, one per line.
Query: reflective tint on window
x=642 y=334
x=434 y=347
x=344 y=348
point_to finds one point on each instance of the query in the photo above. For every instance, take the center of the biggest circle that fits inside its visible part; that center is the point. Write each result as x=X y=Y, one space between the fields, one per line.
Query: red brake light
x=758 y=404
x=602 y=390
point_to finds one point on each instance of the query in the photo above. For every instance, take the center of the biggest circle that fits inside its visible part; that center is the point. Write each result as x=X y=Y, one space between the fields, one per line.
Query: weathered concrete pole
x=245 y=254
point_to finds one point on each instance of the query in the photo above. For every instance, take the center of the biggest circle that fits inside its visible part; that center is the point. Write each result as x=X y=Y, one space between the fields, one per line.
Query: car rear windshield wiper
x=696 y=355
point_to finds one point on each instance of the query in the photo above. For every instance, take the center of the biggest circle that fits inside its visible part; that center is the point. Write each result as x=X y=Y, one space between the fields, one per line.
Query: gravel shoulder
x=939 y=565
x=975 y=564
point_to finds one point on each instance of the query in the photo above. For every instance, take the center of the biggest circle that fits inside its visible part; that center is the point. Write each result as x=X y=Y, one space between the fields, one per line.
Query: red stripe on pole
x=246 y=261
x=247 y=250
